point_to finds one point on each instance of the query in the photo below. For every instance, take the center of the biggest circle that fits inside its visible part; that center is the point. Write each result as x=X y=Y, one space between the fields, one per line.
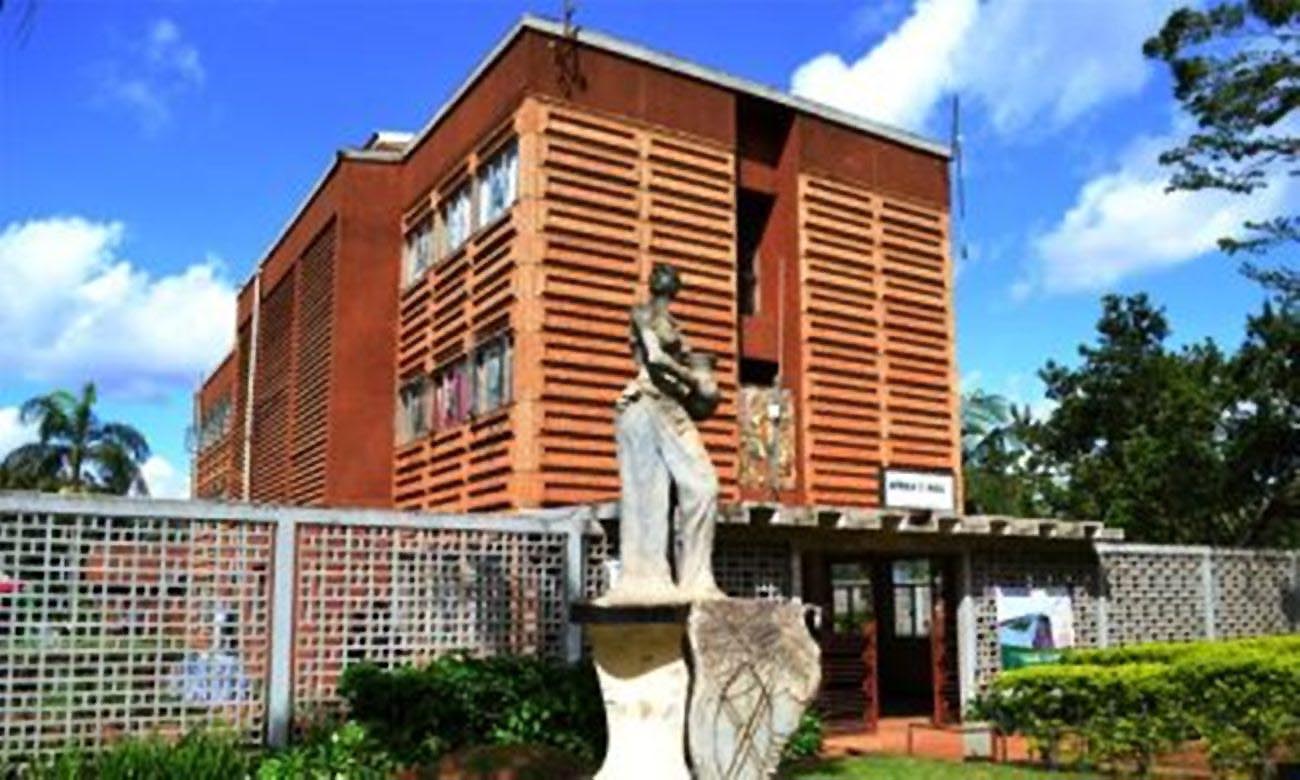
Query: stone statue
x=660 y=448
x=754 y=666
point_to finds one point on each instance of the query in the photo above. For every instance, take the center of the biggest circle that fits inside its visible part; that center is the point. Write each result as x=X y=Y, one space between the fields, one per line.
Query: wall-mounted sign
x=1034 y=625
x=930 y=490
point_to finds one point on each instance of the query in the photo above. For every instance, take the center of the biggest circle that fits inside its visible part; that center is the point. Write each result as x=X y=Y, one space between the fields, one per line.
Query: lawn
x=915 y=769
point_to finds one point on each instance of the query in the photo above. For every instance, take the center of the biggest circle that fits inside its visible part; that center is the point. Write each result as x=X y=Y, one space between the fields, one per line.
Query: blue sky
x=150 y=151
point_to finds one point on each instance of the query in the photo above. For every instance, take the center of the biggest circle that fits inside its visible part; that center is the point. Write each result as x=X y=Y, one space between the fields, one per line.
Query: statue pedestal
x=753 y=668
x=640 y=660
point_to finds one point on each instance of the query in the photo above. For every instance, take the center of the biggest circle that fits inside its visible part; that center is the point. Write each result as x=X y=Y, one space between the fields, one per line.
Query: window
x=419 y=249
x=413 y=409
x=451 y=394
x=455 y=219
x=492 y=374
x=851 y=607
x=913 y=591
x=498 y=184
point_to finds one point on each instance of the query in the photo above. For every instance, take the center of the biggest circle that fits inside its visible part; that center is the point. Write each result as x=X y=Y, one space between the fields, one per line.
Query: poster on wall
x=1034 y=625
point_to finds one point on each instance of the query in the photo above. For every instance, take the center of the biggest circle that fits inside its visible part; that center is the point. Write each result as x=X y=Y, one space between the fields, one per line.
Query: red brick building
x=442 y=324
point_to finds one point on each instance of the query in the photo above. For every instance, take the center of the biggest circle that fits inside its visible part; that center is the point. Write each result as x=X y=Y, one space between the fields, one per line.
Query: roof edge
x=721 y=78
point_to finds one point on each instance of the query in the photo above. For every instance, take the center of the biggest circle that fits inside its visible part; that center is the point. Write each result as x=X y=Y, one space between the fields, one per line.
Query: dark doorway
x=905 y=660
x=888 y=637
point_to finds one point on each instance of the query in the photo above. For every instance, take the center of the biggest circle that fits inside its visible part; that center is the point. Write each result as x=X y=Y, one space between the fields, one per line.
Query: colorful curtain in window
x=498 y=184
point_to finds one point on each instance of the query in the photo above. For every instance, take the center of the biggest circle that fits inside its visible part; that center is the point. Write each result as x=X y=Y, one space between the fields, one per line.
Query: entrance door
x=906 y=652
x=849 y=695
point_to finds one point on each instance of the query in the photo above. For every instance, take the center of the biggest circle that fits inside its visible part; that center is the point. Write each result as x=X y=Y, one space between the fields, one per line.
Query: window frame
x=502 y=344
x=411 y=269
x=462 y=190
x=505 y=158
x=459 y=390
x=407 y=430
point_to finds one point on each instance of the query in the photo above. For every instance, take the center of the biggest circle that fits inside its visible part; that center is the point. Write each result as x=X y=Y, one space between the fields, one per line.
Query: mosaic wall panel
x=1078 y=573
x=393 y=596
x=1250 y=593
x=118 y=625
x=1156 y=597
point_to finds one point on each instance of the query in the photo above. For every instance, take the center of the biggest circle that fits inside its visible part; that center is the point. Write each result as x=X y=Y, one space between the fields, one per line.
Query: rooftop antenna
x=957 y=156
x=568 y=9
x=568 y=68
x=959 y=172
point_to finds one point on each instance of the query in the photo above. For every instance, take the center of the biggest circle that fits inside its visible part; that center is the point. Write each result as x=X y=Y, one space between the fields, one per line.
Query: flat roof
x=635 y=51
x=624 y=48
x=726 y=80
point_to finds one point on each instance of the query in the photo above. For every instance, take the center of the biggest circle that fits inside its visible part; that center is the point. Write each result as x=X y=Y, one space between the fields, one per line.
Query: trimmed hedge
x=1129 y=705
x=1167 y=652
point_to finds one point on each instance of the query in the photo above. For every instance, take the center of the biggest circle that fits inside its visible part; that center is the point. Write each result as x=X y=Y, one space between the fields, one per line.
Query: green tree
x=75 y=451
x=1262 y=429
x=1236 y=71
x=1134 y=432
x=1177 y=445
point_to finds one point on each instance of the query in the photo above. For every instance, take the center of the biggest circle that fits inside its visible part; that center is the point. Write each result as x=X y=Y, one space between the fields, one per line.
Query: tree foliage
x=75 y=451
x=1179 y=445
x=1236 y=70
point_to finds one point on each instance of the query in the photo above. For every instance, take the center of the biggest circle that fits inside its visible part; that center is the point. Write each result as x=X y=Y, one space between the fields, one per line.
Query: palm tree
x=75 y=452
x=988 y=425
x=995 y=451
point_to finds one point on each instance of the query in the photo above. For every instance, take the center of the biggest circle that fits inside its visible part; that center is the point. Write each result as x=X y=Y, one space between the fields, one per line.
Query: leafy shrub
x=421 y=713
x=1245 y=703
x=199 y=755
x=343 y=752
x=806 y=741
x=1131 y=704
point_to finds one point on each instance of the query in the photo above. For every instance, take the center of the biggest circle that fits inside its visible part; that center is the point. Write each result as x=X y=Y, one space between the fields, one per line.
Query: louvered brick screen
x=878 y=386
x=313 y=332
x=273 y=394
x=611 y=199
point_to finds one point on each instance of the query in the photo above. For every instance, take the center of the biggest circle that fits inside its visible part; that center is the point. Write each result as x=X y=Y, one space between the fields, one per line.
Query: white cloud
x=12 y=431
x=163 y=480
x=1124 y=224
x=1027 y=63
x=72 y=309
x=904 y=76
x=152 y=73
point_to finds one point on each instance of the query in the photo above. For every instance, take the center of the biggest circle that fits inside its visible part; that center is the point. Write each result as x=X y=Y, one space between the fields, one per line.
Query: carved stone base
x=753 y=670
x=644 y=680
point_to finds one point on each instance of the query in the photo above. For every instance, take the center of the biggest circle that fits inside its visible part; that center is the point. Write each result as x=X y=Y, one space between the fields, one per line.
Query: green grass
x=917 y=769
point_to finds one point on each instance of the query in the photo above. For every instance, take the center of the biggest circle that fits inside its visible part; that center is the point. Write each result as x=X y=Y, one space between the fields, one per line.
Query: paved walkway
x=890 y=738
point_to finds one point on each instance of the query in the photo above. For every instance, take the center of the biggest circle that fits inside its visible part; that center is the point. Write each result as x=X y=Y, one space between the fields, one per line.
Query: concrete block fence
x=123 y=616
